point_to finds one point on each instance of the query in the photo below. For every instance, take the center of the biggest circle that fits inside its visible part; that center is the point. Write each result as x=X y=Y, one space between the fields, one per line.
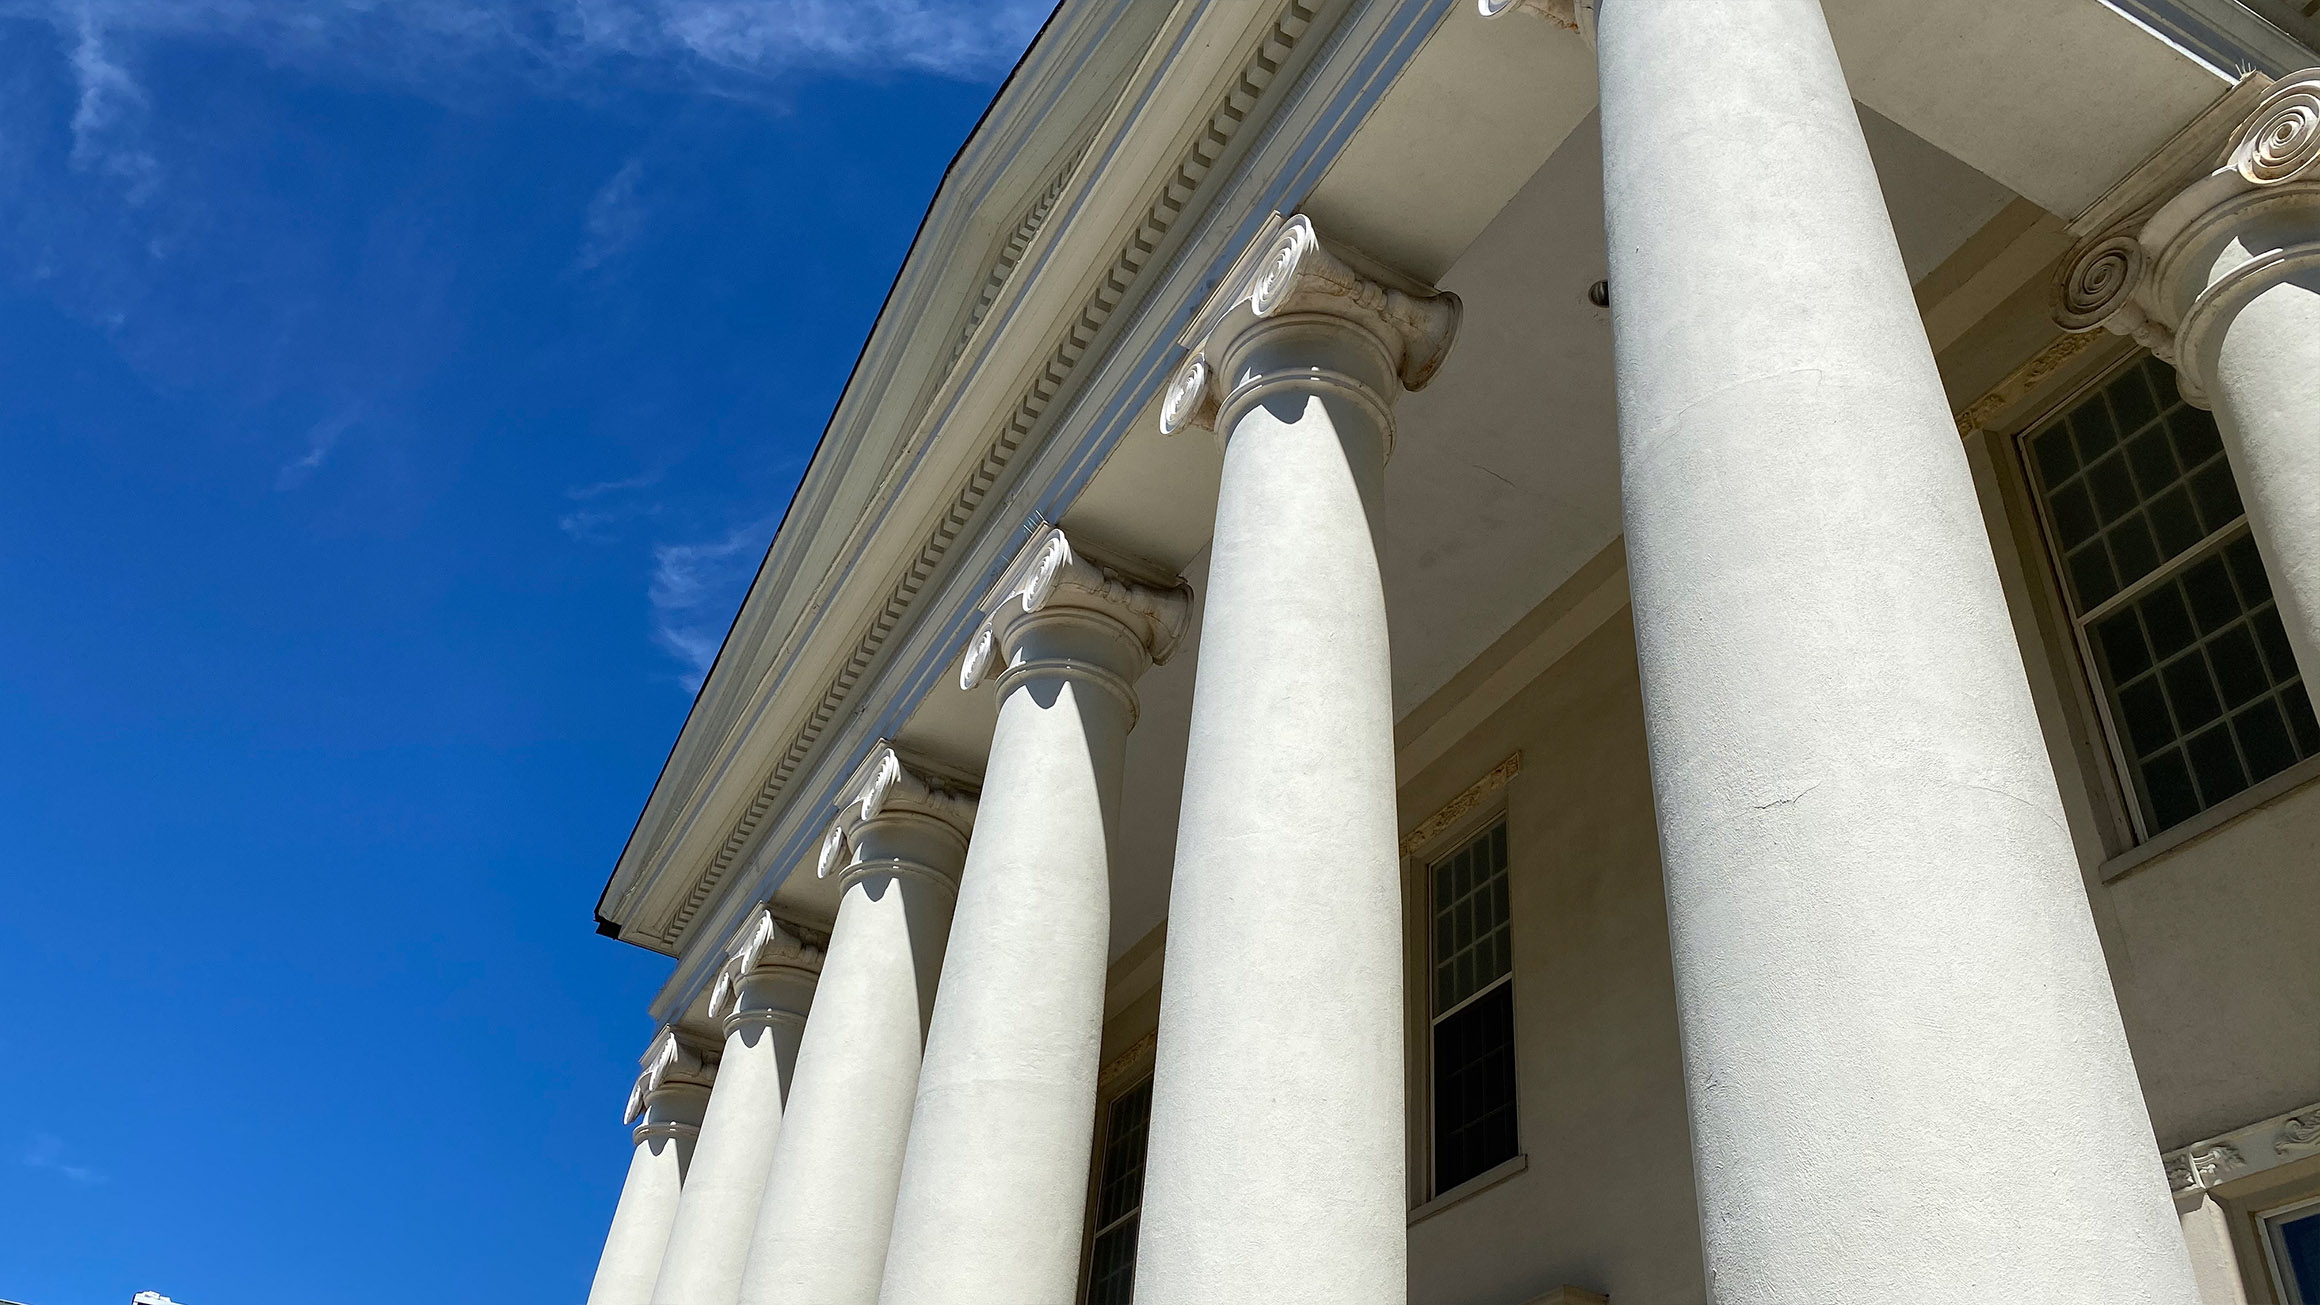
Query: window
x=2174 y=614
x=2292 y=1244
x=1119 y=1198
x=1473 y=1012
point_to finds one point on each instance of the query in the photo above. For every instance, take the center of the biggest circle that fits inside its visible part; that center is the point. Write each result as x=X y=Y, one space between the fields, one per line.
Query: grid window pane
x=1120 y=1198
x=1474 y=1088
x=1470 y=919
x=1473 y=1027
x=2202 y=688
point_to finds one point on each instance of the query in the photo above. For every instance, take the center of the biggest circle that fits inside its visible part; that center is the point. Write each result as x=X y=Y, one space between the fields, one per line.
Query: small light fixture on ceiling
x=1599 y=294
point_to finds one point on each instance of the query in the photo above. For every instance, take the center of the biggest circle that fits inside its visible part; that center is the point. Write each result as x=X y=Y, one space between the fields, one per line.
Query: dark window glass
x=2202 y=686
x=1474 y=1088
x=2296 y=1248
x=1473 y=1039
x=1119 y=1198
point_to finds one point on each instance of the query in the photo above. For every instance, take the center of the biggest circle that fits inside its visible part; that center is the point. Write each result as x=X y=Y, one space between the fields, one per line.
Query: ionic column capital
x=1061 y=612
x=899 y=817
x=768 y=979
x=2173 y=270
x=672 y=1092
x=1289 y=278
x=1571 y=15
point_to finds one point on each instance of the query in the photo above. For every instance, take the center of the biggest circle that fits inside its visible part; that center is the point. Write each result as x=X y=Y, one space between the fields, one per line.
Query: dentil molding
x=1289 y=270
x=2144 y=266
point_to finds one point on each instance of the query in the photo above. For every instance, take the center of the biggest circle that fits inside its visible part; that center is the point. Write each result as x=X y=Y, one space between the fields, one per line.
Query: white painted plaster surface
x=648 y=1198
x=1276 y=1167
x=1888 y=978
x=709 y=1242
x=2267 y=404
x=829 y=1200
x=994 y=1184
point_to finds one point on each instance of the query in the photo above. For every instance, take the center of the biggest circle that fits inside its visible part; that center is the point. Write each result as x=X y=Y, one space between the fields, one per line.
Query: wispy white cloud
x=607 y=503
x=108 y=123
x=642 y=480
x=695 y=590
x=615 y=217
x=416 y=42
x=48 y=1152
x=321 y=438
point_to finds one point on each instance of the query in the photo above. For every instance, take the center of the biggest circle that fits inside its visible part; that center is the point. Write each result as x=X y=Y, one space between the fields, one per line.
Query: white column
x=763 y=995
x=666 y=1104
x=2224 y=279
x=829 y=1200
x=1276 y=1169
x=994 y=1186
x=1907 y=1077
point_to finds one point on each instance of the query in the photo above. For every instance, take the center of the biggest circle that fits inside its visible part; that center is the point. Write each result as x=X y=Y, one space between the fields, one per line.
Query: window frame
x=2267 y=1223
x=1135 y=1071
x=2125 y=786
x=1431 y=1195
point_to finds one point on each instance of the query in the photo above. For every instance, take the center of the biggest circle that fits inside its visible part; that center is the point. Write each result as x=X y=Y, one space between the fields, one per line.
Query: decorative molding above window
x=2265 y=1144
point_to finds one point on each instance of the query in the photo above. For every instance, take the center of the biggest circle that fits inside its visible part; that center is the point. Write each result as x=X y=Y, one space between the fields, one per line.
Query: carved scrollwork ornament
x=981 y=659
x=1572 y=15
x=669 y=1061
x=1190 y=399
x=836 y=852
x=2099 y=281
x=767 y=946
x=2281 y=141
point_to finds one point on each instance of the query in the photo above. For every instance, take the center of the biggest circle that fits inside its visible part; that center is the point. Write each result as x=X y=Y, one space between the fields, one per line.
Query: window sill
x=1474 y=1186
x=2211 y=820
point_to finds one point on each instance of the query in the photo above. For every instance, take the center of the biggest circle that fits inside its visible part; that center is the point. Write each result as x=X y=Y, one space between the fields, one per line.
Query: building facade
x=1595 y=649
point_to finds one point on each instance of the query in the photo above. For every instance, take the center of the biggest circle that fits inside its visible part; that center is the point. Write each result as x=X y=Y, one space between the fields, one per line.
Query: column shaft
x=649 y=1197
x=2266 y=379
x=829 y=1200
x=709 y=1242
x=995 y=1186
x=1276 y=1169
x=1907 y=1077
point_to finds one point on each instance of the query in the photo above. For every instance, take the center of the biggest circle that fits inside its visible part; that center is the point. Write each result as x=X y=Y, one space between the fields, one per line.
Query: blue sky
x=395 y=397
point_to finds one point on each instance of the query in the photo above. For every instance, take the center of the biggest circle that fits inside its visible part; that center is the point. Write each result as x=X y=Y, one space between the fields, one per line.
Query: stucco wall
x=2219 y=979
x=1606 y=1202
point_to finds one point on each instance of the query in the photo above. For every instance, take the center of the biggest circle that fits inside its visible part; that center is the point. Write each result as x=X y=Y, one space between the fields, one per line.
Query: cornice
x=1312 y=107
x=1169 y=197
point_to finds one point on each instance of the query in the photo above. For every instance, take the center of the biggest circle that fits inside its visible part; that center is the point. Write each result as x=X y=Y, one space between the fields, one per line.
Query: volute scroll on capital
x=669 y=1063
x=1054 y=576
x=1571 y=15
x=2158 y=274
x=1291 y=271
x=887 y=791
x=768 y=947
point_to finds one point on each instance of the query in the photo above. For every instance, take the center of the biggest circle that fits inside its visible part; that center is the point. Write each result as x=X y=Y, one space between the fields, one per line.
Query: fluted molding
x=2145 y=266
x=674 y=1075
x=1104 y=626
x=900 y=816
x=1288 y=274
